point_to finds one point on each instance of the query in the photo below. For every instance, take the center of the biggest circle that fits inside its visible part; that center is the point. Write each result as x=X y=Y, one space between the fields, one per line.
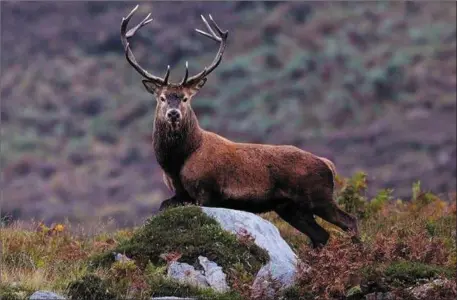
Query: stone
x=214 y=275
x=187 y=274
x=380 y=296
x=421 y=292
x=46 y=295
x=282 y=266
x=121 y=257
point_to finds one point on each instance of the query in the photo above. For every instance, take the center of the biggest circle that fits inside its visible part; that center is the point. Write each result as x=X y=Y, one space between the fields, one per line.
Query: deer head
x=173 y=99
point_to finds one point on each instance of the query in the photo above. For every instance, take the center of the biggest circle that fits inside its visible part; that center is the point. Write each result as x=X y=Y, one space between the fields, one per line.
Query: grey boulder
x=282 y=266
x=186 y=274
x=46 y=295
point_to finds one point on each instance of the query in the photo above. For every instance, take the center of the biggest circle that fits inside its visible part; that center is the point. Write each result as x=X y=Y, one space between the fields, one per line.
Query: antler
x=128 y=52
x=221 y=38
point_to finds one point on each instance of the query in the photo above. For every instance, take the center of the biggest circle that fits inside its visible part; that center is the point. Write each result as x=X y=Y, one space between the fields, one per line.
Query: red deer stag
x=206 y=169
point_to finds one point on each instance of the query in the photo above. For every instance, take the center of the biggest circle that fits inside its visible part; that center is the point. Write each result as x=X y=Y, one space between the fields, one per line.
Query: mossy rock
x=400 y=274
x=91 y=287
x=190 y=232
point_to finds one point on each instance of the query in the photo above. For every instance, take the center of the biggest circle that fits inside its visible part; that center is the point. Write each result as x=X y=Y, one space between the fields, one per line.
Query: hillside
x=407 y=251
x=369 y=85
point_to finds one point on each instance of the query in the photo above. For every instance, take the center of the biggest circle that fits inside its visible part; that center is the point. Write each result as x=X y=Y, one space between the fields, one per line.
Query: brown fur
x=203 y=168
x=330 y=165
x=206 y=169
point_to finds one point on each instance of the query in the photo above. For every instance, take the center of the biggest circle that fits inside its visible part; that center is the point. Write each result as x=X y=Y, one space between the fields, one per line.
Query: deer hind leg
x=303 y=221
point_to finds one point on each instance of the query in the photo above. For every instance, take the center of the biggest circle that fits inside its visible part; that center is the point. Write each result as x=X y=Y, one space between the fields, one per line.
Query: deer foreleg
x=176 y=200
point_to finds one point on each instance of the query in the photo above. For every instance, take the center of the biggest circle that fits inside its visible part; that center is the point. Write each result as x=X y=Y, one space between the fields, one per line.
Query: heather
x=405 y=242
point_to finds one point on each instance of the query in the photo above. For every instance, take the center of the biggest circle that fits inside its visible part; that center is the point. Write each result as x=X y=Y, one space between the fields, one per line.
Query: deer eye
x=185 y=99
x=162 y=99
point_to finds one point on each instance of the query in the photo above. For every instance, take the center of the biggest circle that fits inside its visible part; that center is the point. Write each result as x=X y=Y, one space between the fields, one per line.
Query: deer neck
x=173 y=147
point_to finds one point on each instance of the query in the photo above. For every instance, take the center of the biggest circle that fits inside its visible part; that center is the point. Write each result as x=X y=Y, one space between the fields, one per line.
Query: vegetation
x=184 y=233
x=404 y=243
x=372 y=84
x=398 y=247
x=84 y=267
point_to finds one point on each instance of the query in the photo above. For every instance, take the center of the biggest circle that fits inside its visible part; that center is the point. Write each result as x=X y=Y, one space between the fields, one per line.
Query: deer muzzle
x=173 y=116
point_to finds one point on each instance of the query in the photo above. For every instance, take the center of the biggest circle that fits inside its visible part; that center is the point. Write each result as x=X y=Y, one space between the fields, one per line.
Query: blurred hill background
x=370 y=85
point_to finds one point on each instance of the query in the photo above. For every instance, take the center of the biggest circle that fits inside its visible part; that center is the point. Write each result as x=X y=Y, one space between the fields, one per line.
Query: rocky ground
x=369 y=85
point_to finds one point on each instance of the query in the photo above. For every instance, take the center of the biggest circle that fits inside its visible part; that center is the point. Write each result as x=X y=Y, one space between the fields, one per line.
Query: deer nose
x=173 y=114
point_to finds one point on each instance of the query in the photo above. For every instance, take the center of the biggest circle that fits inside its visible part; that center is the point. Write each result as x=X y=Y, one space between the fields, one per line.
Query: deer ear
x=200 y=84
x=195 y=87
x=151 y=86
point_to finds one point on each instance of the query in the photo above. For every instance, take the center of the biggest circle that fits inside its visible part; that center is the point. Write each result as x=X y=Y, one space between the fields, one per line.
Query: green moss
x=406 y=271
x=188 y=231
x=90 y=287
x=294 y=293
x=161 y=286
x=8 y=292
x=401 y=274
x=165 y=287
x=93 y=287
x=354 y=292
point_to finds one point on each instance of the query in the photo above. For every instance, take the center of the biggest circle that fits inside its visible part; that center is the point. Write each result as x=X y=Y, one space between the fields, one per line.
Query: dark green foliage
x=354 y=293
x=400 y=274
x=165 y=287
x=90 y=287
x=410 y=272
x=160 y=285
x=8 y=292
x=188 y=231
x=351 y=197
x=293 y=293
x=7 y=218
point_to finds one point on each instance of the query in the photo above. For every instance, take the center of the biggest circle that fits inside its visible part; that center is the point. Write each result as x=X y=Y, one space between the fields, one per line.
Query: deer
x=206 y=169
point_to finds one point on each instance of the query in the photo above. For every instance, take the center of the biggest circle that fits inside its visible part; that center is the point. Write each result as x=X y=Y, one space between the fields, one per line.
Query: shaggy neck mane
x=173 y=147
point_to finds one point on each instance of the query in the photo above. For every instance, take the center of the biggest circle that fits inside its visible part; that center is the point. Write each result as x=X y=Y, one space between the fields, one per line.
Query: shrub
x=90 y=287
x=187 y=232
x=351 y=197
x=9 y=292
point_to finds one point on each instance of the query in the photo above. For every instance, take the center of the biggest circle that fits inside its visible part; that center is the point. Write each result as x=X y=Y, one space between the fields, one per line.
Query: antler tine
x=222 y=39
x=219 y=30
x=186 y=74
x=207 y=35
x=128 y=52
x=209 y=28
x=132 y=31
x=165 y=80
